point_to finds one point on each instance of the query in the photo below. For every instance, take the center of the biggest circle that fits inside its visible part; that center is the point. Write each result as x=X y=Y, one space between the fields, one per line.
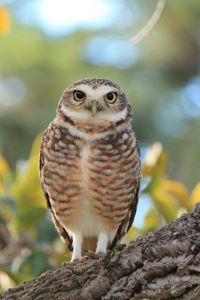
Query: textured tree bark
x=161 y=265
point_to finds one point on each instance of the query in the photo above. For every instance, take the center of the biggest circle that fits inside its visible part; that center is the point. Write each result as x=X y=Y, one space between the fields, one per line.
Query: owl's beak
x=94 y=108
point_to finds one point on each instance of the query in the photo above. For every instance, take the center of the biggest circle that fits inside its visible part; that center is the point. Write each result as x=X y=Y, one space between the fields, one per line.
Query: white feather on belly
x=87 y=222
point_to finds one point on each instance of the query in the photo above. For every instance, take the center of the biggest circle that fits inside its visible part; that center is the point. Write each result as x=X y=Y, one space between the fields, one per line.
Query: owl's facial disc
x=94 y=102
x=95 y=99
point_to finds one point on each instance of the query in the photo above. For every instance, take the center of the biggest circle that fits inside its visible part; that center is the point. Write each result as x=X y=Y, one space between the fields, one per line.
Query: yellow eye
x=111 y=97
x=79 y=95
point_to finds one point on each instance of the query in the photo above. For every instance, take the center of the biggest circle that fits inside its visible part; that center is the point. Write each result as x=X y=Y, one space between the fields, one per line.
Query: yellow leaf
x=181 y=211
x=60 y=258
x=155 y=161
x=6 y=281
x=180 y=191
x=132 y=234
x=152 y=220
x=164 y=201
x=195 y=197
x=35 y=150
x=4 y=20
x=4 y=168
x=5 y=172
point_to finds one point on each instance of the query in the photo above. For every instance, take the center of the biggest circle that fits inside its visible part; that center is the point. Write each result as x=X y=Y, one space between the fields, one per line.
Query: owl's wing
x=67 y=239
x=129 y=218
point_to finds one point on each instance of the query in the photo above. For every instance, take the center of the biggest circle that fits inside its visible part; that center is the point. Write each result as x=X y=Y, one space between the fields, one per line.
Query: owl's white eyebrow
x=94 y=93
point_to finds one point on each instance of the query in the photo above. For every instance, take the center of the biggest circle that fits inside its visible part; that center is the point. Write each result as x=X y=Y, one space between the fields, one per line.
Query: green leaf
x=33 y=264
x=26 y=189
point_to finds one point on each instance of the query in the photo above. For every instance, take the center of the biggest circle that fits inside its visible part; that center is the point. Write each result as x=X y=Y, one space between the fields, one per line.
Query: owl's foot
x=77 y=242
x=102 y=243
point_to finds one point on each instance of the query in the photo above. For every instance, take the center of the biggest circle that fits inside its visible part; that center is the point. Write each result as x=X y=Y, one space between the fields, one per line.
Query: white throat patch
x=100 y=116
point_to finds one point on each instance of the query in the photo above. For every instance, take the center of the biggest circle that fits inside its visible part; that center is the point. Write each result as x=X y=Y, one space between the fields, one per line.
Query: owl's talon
x=111 y=253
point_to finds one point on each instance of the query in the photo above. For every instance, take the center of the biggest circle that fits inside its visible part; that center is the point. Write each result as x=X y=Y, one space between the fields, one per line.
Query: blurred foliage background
x=46 y=45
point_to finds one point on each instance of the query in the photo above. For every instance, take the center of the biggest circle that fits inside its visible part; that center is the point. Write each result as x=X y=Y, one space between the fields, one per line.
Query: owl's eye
x=79 y=95
x=111 y=97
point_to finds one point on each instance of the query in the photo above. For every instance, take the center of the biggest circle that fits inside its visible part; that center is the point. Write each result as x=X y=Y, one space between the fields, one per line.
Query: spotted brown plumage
x=90 y=166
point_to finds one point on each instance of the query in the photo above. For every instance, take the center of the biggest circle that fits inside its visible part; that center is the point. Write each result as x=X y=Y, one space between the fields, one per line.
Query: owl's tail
x=89 y=243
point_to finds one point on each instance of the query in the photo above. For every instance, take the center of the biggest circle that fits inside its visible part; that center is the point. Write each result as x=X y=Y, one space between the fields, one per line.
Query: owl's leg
x=77 y=245
x=102 y=243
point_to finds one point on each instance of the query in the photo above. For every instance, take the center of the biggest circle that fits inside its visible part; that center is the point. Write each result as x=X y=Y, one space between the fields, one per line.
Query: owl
x=90 y=166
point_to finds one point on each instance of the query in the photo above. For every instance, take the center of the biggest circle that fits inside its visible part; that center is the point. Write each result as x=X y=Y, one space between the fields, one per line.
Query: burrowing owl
x=90 y=166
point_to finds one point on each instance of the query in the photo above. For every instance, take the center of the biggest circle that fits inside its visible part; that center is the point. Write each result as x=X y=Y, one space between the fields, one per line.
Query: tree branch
x=164 y=264
x=151 y=23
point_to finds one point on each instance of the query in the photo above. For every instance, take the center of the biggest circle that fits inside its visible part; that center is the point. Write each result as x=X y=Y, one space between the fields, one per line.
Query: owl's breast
x=113 y=174
x=91 y=184
x=66 y=177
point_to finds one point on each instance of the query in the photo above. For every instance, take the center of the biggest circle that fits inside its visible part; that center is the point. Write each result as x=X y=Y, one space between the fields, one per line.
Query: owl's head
x=94 y=100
